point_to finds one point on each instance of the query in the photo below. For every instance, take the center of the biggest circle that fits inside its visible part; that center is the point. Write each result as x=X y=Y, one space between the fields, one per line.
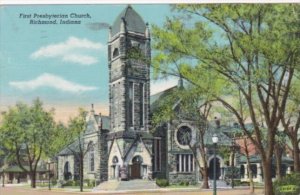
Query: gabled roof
x=68 y=150
x=133 y=21
x=156 y=99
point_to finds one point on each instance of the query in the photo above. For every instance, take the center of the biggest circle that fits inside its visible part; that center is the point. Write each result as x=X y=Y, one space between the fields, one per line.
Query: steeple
x=133 y=22
x=129 y=77
x=109 y=34
x=92 y=109
x=147 y=31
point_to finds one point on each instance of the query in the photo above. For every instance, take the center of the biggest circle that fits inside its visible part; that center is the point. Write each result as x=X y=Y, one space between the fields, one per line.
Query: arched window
x=137 y=159
x=115 y=160
x=92 y=158
x=116 y=52
x=66 y=167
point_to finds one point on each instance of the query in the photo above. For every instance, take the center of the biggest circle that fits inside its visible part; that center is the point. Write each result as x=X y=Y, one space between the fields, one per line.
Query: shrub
x=182 y=183
x=186 y=183
x=68 y=183
x=53 y=182
x=162 y=182
x=288 y=180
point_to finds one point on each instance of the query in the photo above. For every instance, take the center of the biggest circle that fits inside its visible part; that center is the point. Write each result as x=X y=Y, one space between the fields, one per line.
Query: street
x=28 y=191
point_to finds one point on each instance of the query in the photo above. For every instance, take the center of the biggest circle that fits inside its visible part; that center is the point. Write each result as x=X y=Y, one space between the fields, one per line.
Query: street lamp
x=49 y=182
x=215 y=140
x=3 y=178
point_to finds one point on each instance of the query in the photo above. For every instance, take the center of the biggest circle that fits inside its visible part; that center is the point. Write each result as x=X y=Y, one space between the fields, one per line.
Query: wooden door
x=136 y=171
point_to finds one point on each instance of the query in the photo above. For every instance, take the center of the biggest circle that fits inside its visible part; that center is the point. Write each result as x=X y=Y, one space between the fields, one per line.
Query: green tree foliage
x=291 y=121
x=232 y=50
x=74 y=133
x=27 y=132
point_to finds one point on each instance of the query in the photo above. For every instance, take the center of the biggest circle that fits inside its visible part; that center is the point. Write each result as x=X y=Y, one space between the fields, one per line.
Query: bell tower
x=129 y=57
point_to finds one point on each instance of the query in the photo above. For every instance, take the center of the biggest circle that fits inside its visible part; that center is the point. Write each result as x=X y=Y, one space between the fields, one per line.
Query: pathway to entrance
x=135 y=184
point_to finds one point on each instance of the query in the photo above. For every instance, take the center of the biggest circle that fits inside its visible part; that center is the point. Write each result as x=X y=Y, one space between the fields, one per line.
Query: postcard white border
x=27 y=2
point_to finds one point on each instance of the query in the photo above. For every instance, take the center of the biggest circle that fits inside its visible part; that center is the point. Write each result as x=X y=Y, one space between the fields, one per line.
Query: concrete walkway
x=137 y=184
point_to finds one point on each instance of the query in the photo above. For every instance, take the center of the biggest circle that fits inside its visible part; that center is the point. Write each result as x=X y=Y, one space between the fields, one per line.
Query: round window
x=184 y=135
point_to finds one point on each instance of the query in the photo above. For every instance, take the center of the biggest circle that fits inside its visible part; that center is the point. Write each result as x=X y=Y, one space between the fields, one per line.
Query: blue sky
x=64 y=65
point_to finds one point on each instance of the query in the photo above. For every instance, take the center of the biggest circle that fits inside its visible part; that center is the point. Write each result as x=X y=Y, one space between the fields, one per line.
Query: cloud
x=67 y=50
x=52 y=81
x=80 y=59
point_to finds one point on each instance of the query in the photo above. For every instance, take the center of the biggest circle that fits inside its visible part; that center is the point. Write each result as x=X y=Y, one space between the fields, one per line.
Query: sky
x=65 y=65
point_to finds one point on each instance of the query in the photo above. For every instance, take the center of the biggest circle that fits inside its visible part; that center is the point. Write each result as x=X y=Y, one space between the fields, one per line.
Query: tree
x=27 y=132
x=291 y=123
x=252 y=49
x=73 y=139
x=192 y=106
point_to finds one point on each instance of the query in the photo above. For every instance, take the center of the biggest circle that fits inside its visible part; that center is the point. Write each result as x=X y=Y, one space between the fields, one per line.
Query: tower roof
x=133 y=21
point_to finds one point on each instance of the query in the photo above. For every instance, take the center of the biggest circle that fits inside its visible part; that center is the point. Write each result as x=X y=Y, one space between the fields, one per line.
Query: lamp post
x=49 y=182
x=215 y=140
x=3 y=178
x=232 y=163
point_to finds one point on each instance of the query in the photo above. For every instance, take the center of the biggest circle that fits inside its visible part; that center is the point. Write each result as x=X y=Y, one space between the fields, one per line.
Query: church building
x=124 y=145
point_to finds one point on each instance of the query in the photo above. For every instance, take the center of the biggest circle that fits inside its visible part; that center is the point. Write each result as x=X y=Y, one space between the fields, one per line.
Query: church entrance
x=211 y=169
x=136 y=167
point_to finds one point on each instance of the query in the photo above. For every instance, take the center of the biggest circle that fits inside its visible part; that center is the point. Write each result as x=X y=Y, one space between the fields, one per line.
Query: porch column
x=180 y=170
x=117 y=171
x=259 y=172
x=222 y=173
x=246 y=171
x=288 y=170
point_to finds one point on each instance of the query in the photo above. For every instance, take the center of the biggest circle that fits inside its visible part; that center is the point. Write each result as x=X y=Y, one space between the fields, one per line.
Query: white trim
x=219 y=157
x=183 y=159
x=189 y=161
x=184 y=163
x=180 y=167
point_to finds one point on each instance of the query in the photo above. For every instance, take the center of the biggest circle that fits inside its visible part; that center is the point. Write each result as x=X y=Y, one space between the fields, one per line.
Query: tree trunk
x=296 y=155
x=267 y=170
x=81 y=173
x=33 y=179
x=250 y=176
x=204 y=172
x=278 y=157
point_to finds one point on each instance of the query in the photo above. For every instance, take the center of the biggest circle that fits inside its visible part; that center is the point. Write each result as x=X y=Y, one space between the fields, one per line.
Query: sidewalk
x=16 y=190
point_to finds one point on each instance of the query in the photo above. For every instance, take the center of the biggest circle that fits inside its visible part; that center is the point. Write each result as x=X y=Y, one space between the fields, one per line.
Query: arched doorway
x=67 y=174
x=136 y=167
x=211 y=169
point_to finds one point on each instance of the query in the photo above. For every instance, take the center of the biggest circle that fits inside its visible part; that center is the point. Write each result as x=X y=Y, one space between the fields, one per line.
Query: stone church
x=123 y=145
